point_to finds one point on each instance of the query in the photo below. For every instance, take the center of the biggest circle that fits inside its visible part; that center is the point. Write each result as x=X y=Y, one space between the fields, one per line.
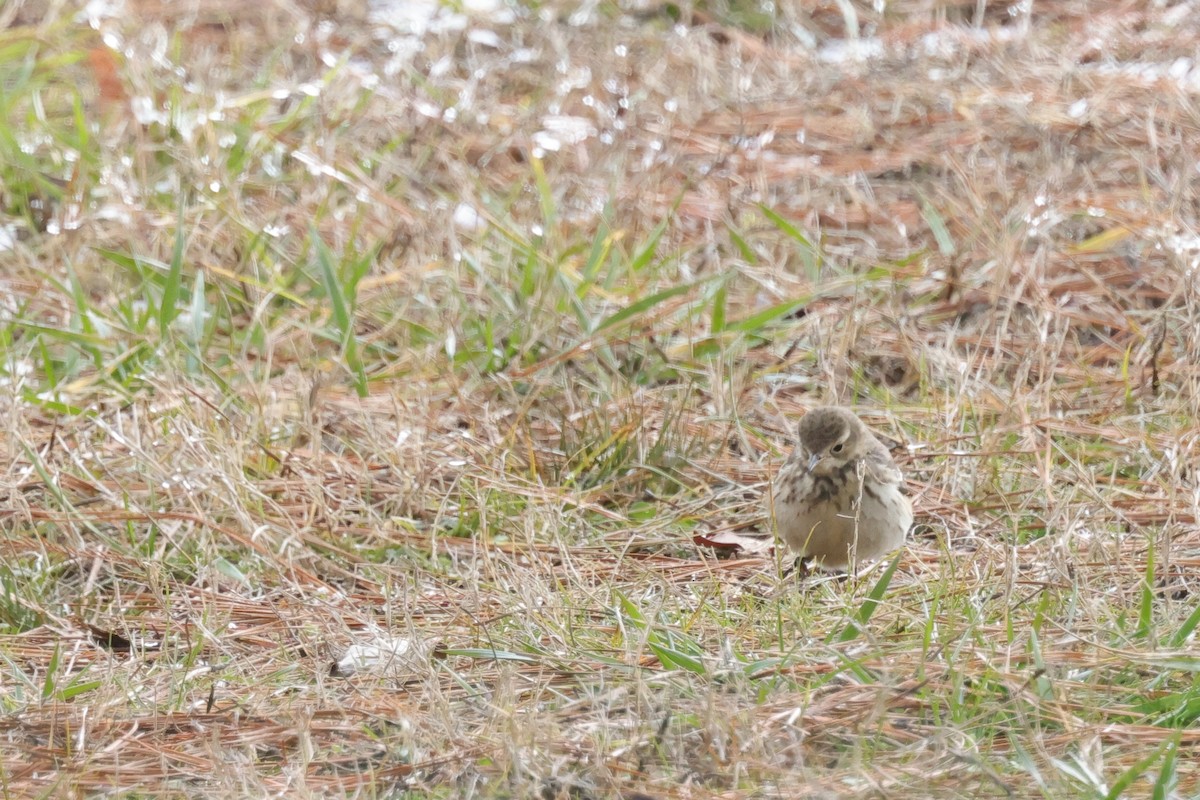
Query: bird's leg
x=801 y=567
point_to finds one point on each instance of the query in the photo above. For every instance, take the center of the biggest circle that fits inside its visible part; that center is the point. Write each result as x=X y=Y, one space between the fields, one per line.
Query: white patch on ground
x=383 y=655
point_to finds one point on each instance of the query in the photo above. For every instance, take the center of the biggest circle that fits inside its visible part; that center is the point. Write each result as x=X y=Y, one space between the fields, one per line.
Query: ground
x=379 y=378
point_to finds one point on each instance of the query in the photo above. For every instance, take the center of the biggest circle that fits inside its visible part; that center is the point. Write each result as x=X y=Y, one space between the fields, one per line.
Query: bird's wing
x=879 y=463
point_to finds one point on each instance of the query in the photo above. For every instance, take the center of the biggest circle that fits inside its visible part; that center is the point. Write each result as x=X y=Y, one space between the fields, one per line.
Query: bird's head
x=829 y=439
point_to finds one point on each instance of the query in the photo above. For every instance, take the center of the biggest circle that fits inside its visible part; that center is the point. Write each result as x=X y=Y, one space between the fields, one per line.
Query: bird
x=838 y=499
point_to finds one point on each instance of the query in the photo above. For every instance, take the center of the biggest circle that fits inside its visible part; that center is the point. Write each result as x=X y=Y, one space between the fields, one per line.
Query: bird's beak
x=813 y=460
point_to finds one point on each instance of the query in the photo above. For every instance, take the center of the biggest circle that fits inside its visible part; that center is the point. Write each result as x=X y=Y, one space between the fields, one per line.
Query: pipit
x=838 y=501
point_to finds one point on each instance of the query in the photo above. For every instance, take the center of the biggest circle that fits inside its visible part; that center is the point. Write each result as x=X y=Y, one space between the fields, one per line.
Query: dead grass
x=309 y=340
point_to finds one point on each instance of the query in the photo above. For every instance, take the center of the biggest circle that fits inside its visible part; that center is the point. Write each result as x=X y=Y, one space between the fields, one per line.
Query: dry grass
x=272 y=389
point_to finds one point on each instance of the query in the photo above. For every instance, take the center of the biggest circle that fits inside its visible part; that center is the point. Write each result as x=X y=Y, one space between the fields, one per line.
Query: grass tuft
x=328 y=330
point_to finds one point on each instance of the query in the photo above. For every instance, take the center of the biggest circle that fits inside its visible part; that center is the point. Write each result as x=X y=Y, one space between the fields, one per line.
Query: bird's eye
x=837 y=448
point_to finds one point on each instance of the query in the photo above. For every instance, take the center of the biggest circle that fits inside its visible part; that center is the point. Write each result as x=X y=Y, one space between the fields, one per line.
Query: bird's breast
x=841 y=482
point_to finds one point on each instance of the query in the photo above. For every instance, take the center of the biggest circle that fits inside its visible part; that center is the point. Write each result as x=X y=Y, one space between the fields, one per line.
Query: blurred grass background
x=444 y=328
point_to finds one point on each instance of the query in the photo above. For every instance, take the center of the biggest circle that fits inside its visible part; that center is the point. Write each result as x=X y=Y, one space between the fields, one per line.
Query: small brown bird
x=838 y=500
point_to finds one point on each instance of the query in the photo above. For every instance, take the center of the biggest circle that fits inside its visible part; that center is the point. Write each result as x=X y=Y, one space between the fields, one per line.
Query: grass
x=315 y=333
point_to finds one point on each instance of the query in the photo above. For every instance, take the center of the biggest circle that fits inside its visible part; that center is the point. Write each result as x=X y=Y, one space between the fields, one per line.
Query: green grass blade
x=630 y=611
x=82 y=339
x=756 y=322
x=341 y=297
x=489 y=654
x=647 y=303
x=937 y=226
x=1185 y=630
x=331 y=281
x=1146 y=608
x=76 y=689
x=130 y=263
x=788 y=228
x=649 y=249
x=743 y=247
x=198 y=311
x=51 y=673
x=854 y=629
x=1168 y=779
x=602 y=244
x=718 y=308
x=169 y=307
x=1123 y=783
x=808 y=251
x=674 y=659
